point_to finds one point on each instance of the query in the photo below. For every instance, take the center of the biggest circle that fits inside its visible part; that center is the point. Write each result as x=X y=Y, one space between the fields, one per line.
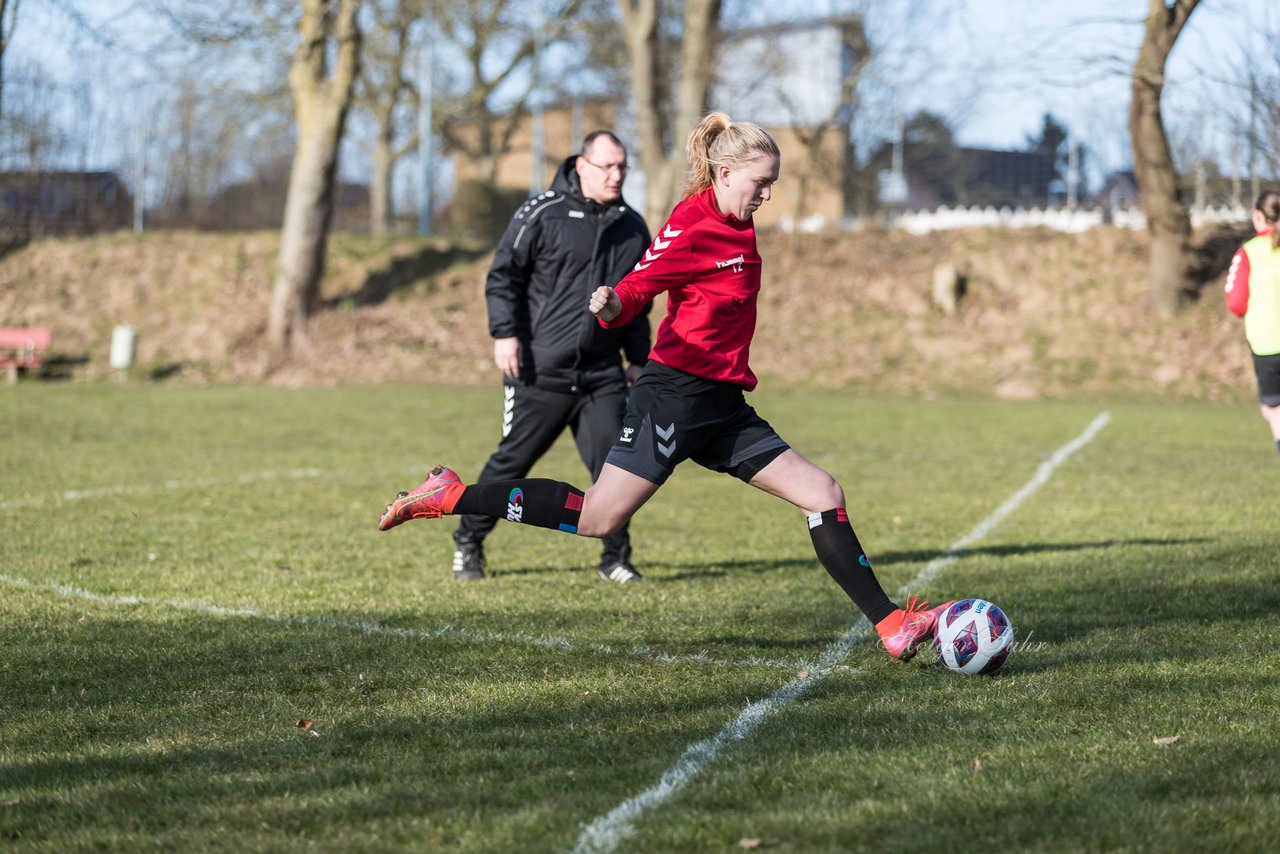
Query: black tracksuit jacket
x=557 y=250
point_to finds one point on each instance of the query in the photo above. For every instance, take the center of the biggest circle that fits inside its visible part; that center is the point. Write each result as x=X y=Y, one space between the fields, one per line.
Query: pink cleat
x=903 y=631
x=434 y=498
x=939 y=611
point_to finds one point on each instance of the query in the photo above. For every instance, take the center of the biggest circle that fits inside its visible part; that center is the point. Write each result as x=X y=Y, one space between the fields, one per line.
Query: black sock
x=841 y=553
x=531 y=501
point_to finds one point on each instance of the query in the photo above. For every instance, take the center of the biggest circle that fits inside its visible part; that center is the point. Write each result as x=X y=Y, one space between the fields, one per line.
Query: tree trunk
x=308 y=213
x=321 y=101
x=384 y=101
x=380 y=181
x=640 y=29
x=1168 y=221
x=661 y=144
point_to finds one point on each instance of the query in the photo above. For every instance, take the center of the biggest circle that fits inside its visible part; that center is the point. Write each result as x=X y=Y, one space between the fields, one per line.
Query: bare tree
x=323 y=89
x=1265 y=105
x=496 y=41
x=67 y=9
x=650 y=62
x=8 y=20
x=815 y=107
x=208 y=137
x=33 y=139
x=207 y=89
x=1168 y=221
x=387 y=93
x=321 y=82
x=1255 y=73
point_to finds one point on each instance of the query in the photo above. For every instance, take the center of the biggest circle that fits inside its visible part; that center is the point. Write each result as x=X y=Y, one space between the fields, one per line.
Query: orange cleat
x=903 y=631
x=434 y=498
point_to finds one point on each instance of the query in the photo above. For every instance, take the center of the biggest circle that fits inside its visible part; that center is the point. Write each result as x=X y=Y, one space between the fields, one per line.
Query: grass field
x=186 y=573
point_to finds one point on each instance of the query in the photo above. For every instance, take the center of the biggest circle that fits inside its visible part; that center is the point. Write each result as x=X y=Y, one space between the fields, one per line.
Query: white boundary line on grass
x=610 y=830
x=369 y=627
x=198 y=483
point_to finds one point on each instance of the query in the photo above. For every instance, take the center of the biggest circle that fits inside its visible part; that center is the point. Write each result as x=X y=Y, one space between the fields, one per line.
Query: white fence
x=1057 y=219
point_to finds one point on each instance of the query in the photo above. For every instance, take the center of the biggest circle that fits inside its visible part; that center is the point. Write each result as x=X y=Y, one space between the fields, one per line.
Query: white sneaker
x=620 y=573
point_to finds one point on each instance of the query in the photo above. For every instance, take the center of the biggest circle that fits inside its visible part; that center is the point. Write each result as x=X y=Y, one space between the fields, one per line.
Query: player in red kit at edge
x=689 y=403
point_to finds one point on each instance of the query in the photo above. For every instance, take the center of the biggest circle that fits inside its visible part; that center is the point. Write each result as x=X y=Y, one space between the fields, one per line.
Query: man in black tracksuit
x=559 y=367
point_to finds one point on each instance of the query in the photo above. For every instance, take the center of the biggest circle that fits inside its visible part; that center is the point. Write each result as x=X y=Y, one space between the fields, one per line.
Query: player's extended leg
x=795 y=479
x=532 y=419
x=540 y=502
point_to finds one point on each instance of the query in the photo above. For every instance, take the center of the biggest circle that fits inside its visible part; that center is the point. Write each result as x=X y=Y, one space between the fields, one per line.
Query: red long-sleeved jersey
x=708 y=263
x=1236 y=291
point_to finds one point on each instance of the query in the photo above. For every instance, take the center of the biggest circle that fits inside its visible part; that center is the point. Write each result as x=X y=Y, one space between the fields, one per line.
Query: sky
x=1003 y=65
x=992 y=68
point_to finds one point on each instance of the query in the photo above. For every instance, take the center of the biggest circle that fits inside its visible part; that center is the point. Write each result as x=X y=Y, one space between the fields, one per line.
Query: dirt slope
x=1044 y=314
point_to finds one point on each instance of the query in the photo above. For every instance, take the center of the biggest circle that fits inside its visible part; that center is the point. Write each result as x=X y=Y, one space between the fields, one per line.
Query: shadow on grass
x=672 y=572
x=187 y=726
x=155 y=728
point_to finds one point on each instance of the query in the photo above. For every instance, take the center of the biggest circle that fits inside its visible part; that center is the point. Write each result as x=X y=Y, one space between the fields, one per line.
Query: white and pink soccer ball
x=974 y=637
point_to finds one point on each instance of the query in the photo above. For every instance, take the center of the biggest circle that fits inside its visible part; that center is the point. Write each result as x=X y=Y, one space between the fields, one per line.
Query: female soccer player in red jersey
x=689 y=403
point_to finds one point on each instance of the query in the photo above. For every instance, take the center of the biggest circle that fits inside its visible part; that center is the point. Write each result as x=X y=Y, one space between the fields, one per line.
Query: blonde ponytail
x=719 y=141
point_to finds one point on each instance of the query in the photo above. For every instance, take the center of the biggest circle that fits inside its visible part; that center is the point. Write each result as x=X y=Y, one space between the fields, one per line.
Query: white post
x=124 y=344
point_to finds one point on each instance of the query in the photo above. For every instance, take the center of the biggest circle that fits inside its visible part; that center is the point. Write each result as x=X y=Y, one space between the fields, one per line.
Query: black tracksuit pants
x=532 y=420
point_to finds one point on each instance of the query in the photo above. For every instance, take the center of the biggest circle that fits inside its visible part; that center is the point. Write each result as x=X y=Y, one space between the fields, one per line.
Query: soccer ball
x=973 y=636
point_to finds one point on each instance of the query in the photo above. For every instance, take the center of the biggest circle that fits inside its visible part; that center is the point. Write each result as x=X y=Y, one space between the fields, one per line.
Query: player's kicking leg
x=539 y=502
x=791 y=477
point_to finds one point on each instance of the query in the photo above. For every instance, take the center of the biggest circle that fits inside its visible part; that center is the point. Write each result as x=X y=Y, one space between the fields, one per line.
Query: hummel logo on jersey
x=665 y=433
x=735 y=263
x=626 y=434
x=1231 y=273
x=655 y=252
x=669 y=233
x=515 y=505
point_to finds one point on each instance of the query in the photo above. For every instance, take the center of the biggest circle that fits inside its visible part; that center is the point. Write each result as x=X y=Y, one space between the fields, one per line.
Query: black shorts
x=673 y=416
x=1267 y=369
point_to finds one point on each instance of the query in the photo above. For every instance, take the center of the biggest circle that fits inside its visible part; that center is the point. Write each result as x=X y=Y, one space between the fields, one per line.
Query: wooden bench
x=22 y=348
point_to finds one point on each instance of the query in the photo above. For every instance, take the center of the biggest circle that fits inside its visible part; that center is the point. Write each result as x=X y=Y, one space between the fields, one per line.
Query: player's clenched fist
x=605 y=303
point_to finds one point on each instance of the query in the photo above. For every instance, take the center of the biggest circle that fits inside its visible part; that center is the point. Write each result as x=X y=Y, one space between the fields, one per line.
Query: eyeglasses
x=620 y=168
